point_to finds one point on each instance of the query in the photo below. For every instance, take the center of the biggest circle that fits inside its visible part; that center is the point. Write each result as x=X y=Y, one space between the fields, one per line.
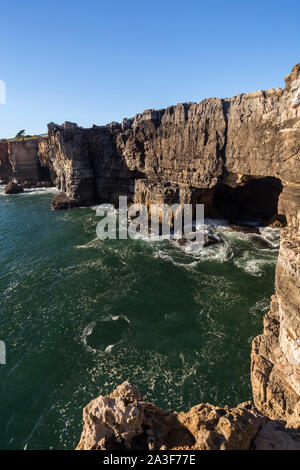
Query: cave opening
x=44 y=172
x=256 y=199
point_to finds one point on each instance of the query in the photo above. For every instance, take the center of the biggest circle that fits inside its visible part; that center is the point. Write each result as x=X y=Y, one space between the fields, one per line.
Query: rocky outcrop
x=23 y=159
x=12 y=188
x=85 y=163
x=183 y=144
x=275 y=370
x=19 y=162
x=61 y=202
x=123 y=420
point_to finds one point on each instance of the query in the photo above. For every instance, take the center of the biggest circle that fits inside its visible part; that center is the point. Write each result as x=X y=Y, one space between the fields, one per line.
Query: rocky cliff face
x=275 y=370
x=5 y=166
x=19 y=162
x=254 y=134
x=238 y=156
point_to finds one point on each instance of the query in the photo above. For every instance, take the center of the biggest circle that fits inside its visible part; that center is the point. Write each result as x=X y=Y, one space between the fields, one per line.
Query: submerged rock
x=261 y=242
x=208 y=240
x=13 y=188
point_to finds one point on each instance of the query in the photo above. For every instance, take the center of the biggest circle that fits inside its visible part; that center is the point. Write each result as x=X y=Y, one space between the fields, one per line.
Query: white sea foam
x=117 y=317
x=272 y=235
x=31 y=191
x=253 y=265
x=88 y=330
x=260 y=306
x=159 y=253
x=91 y=244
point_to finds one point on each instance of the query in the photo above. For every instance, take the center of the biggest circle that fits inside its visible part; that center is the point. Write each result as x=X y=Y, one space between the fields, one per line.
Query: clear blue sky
x=99 y=61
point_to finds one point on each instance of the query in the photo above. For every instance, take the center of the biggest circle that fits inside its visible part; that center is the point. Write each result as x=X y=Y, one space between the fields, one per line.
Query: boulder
x=13 y=188
x=61 y=202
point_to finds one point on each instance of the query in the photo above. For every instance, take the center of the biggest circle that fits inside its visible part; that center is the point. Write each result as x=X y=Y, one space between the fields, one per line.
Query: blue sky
x=99 y=61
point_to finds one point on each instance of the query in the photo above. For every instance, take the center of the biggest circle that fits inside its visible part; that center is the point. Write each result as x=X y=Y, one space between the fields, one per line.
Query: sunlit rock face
x=20 y=163
x=184 y=154
x=123 y=420
x=276 y=353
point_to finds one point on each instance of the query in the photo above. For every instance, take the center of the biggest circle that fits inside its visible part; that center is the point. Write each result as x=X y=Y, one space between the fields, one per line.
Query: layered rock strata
x=275 y=369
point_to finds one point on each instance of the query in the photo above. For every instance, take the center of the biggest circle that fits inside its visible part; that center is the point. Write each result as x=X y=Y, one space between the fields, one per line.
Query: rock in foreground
x=123 y=420
x=12 y=188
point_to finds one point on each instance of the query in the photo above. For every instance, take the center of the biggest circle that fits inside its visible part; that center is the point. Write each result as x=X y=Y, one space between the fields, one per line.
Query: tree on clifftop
x=20 y=134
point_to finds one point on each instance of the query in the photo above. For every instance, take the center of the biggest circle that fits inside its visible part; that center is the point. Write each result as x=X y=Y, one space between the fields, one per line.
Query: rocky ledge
x=123 y=420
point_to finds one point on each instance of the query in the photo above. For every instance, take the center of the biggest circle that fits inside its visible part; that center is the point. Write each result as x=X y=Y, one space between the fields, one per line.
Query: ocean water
x=79 y=316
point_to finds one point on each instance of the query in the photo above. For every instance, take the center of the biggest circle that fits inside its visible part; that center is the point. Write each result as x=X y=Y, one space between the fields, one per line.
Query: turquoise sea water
x=79 y=316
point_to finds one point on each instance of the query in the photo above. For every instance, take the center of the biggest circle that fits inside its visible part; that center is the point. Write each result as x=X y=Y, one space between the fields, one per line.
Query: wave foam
x=31 y=191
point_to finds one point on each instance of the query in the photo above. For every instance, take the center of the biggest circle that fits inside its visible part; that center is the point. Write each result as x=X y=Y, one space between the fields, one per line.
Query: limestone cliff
x=19 y=162
x=189 y=145
x=275 y=369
